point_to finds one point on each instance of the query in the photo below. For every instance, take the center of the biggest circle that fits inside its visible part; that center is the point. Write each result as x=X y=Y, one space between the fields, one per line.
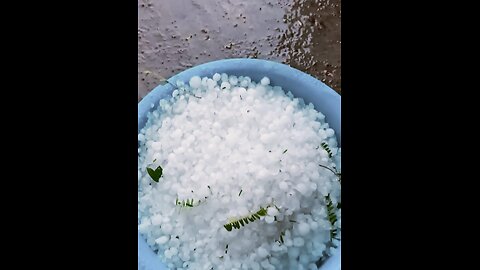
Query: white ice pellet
x=162 y=240
x=225 y=86
x=265 y=81
x=269 y=219
x=303 y=228
x=283 y=186
x=222 y=146
x=329 y=132
x=266 y=265
x=302 y=188
x=304 y=259
x=195 y=82
x=168 y=254
x=272 y=211
x=262 y=253
x=156 y=220
x=167 y=228
x=204 y=81
x=175 y=93
x=233 y=80
x=143 y=227
x=173 y=251
x=244 y=83
x=211 y=84
x=293 y=252
x=298 y=241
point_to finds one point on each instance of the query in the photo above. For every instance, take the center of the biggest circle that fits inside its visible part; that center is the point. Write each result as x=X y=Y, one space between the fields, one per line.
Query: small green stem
x=334 y=172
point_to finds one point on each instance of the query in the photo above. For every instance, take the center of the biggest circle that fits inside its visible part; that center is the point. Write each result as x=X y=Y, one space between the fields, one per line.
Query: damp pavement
x=174 y=35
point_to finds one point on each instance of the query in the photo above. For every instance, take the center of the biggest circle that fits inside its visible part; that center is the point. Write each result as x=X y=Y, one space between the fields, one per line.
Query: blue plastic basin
x=300 y=84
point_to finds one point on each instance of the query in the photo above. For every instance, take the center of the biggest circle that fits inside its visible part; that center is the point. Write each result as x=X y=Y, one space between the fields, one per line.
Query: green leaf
x=332 y=217
x=285 y=151
x=262 y=212
x=187 y=203
x=240 y=192
x=238 y=223
x=155 y=174
x=326 y=148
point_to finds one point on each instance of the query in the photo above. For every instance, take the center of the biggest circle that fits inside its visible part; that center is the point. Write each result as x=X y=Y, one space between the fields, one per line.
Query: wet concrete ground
x=174 y=35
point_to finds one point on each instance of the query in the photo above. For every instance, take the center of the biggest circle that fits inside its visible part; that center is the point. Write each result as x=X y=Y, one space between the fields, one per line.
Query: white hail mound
x=241 y=151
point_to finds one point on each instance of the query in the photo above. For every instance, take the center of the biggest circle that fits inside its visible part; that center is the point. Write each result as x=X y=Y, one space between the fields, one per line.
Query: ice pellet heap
x=250 y=178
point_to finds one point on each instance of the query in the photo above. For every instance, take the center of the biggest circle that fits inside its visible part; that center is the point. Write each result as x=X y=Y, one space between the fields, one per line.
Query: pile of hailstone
x=232 y=149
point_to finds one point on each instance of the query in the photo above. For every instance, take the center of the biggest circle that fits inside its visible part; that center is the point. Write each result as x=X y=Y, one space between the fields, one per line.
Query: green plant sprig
x=332 y=217
x=326 y=148
x=238 y=223
x=330 y=155
x=282 y=234
x=187 y=203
